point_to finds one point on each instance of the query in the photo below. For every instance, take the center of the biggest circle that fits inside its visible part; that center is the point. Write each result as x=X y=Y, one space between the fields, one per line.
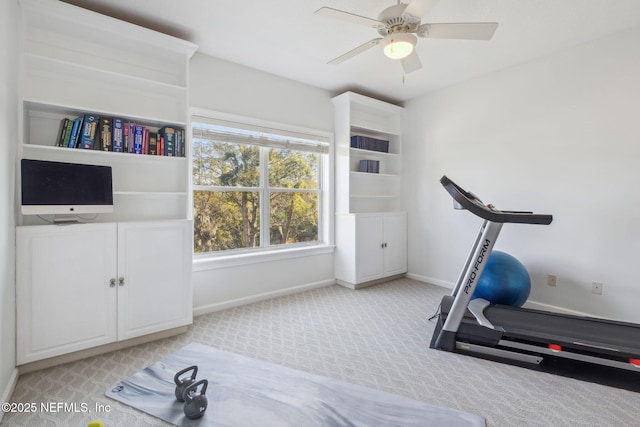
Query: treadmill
x=585 y=348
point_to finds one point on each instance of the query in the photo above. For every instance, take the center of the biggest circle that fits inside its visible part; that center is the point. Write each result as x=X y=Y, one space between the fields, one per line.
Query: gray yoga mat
x=248 y=392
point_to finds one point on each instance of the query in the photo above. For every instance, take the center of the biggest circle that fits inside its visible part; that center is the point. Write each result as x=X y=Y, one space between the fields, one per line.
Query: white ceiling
x=286 y=38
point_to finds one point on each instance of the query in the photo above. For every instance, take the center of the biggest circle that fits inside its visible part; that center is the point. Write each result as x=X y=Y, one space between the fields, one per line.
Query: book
x=126 y=128
x=137 y=139
x=75 y=132
x=104 y=131
x=183 y=151
x=153 y=143
x=369 y=143
x=132 y=128
x=180 y=142
x=117 y=129
x=169 y=135
x=369 y=166
x=62 y=133
x=67 y=135
x=89 y=130
x=145 y=140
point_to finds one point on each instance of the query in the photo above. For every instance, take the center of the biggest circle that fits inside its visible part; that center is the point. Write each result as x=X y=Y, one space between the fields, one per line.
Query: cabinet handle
x=121 y=281
x=112 y=283
x=384 y=245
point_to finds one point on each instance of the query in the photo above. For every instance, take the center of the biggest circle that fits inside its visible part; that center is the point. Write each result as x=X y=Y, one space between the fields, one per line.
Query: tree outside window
x=249 y=195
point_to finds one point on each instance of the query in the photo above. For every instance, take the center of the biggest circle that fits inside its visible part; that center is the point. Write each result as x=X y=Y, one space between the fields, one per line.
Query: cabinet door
x=369 y=250
x=64 y=299
x=154 y=274
x=395 y=238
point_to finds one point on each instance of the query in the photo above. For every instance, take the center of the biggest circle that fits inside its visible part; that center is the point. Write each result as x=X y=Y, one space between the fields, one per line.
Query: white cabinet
x=154 y=261
x=370 y=247
x=84 y=285
x=64 y=302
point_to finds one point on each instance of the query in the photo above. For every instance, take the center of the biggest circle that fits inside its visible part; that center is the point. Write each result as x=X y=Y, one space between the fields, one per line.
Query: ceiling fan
x=398 y=27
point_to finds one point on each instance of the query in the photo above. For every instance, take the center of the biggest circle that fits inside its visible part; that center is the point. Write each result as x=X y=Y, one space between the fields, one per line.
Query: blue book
x=118 y=135
x=178 y=143
x=89 y=130
x=138 y=134
x=75 y=131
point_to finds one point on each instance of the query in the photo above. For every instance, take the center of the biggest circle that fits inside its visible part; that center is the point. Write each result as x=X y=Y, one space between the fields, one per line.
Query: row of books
x=371 y=166
x=91 y=132
x=369 y=143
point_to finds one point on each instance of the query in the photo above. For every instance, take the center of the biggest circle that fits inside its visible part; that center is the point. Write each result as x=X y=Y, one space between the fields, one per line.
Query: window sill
x=211 y=262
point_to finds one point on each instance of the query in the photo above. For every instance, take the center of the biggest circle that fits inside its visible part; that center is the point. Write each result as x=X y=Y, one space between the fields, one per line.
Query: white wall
x=8 y=138
x=231 y=88
x=226 y=87
x=558 y=135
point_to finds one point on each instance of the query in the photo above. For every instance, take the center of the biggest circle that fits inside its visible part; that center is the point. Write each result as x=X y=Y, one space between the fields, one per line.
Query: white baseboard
x=554 y=309
x=431 y=280
x=529 y=304
x=197 y=311
x=8 y=391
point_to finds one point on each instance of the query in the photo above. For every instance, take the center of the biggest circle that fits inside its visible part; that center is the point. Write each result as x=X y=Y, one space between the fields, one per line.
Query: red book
x=145 y=140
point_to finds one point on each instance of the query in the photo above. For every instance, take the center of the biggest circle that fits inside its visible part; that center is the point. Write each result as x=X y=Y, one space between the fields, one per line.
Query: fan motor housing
x=394 y=21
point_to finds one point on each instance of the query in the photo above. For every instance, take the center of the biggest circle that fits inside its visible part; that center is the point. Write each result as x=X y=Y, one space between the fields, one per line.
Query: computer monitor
x=65 y=188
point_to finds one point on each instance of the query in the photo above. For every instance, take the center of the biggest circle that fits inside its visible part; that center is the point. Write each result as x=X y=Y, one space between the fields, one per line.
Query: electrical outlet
x=596 y=288
x=551 y=280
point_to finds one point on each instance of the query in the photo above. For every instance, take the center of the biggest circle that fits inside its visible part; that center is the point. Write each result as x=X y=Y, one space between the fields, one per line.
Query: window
x=255 y=187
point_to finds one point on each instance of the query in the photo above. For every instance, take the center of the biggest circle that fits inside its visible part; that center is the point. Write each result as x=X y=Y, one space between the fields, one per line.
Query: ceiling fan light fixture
x=400 y=45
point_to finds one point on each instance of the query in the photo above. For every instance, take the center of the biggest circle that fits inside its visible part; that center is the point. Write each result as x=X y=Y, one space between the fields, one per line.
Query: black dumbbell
x=183 y=383
x=195 y=403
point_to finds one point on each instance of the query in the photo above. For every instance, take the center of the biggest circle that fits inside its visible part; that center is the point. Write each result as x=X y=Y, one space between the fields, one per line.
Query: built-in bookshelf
x=77 y=63
x=371 y=229
x=359 y=189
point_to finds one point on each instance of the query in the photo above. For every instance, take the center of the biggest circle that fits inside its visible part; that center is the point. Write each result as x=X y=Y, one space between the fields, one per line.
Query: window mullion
x=265 y=222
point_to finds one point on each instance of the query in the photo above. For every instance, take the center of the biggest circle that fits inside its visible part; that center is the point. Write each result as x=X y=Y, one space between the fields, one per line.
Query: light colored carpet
x=376 y=337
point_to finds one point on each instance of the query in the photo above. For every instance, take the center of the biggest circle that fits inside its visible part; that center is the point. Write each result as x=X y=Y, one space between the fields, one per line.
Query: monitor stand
x=64 y=219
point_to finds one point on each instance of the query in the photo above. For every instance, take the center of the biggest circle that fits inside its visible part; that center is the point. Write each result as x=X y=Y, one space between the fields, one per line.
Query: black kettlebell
x=195 y=403
x=183 y=383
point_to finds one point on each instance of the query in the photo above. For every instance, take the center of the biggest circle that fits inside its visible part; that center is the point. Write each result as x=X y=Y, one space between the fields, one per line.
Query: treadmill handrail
x=474 y=205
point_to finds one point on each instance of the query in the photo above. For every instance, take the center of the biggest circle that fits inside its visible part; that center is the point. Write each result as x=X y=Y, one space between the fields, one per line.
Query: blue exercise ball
x=504 y=281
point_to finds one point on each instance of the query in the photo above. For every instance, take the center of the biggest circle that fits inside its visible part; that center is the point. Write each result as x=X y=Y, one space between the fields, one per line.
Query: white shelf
x=375 y=128
x=46 y=152
x=368 y=196
x=368 y=153
x=79 y=87
x=150 y=194
x=371 y=175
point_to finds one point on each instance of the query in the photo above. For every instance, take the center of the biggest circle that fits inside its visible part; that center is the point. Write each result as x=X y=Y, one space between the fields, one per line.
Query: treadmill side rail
x=498 y=352
x=570 y=355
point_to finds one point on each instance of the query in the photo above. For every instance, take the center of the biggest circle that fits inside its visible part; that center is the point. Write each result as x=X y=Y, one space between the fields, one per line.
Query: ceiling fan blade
x=411 y=63
x=355 y=51
x=417 y=9
x=349 y=17
x=468 y=31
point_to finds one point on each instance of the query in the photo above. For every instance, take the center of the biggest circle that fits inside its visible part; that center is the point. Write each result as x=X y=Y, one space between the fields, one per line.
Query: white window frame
x=267 y=252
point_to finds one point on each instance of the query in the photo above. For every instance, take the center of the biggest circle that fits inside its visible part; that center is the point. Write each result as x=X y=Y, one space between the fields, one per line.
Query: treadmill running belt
x=595 y=335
